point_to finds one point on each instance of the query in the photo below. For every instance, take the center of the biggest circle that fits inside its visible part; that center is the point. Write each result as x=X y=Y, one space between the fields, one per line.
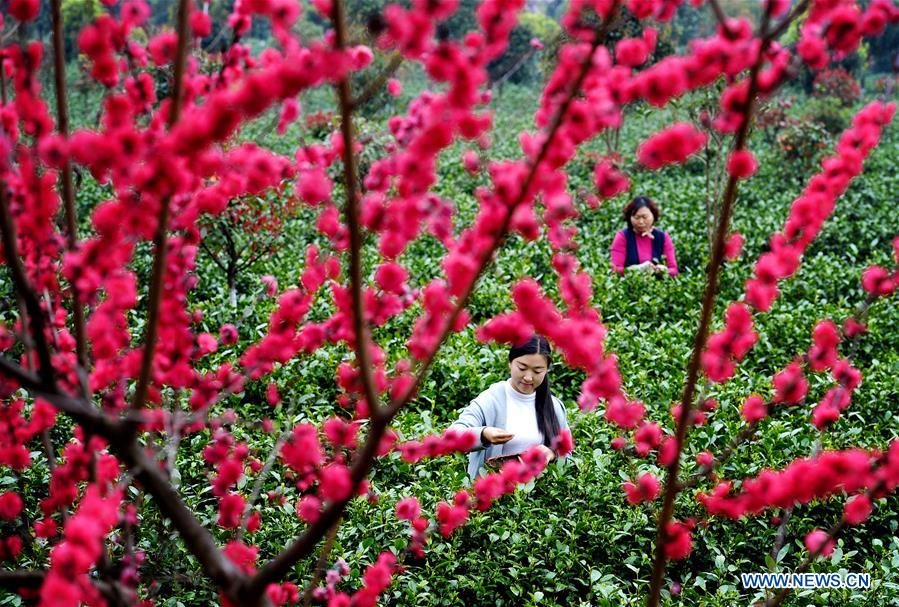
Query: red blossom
x=733 y=246
x=10 y=505
x=671 y=146
x=678 y=541
x=857 y=510
x=818 y=542
x=742 y=164
x=754 y=409
x=645 y=490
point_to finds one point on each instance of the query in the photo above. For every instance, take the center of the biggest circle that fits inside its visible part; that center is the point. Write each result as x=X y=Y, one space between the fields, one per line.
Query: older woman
x=641 y=246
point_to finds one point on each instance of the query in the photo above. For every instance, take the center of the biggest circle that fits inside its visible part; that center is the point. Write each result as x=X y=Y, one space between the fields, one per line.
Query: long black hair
x=547 y=421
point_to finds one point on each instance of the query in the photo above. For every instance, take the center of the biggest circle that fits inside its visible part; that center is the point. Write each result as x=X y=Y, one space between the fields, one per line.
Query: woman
x=640 y=246
x=513 y=415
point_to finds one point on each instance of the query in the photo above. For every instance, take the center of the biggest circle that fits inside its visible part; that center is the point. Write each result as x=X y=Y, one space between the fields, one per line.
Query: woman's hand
x=548 y=453
x=495 y=436
x=660 y=268
x=646 y=266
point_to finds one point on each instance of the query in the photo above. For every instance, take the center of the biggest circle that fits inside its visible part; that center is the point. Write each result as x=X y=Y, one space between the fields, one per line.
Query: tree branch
x=708 y=306
x=360 y=327
x=22 y=578
x=23 y=287
x=159 y=239
x=68 y=189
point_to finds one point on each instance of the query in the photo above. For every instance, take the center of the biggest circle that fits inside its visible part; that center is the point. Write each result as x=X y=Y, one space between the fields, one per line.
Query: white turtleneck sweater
x=521 y=420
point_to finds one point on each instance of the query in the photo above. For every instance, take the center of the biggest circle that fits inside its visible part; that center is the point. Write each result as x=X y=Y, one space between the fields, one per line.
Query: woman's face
x=642 y=220
x=528 y=372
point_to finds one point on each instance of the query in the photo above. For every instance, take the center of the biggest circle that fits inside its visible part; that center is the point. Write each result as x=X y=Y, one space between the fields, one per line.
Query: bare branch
x=23 y=578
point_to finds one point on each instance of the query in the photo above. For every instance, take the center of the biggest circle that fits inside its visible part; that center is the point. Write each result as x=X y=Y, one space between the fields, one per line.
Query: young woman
x=640 y=246
x=513 y=415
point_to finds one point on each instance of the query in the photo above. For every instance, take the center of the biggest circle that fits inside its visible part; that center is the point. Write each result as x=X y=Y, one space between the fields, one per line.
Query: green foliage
x=519 y=63
x=75 y=15
x=829 y=115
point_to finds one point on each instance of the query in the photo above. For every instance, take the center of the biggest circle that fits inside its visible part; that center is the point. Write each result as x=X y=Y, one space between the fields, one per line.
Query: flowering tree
x=106 y=362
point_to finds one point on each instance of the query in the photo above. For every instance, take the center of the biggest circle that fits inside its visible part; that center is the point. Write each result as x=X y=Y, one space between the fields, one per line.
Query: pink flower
x=754 y=409
x=340 y=433
x=563 y=443
x=242 y=555
x=609 y=180
x=742 y=164
x=733 y=246
x=667 y=451
x=162 y=47
x=678 y=541
x=450 y=517
x=645 y=490
x=536 y=44
x=790 y=384
x=817 y=541
x=408 y=509
x=625 y=414
x=309 y=508
x=10 y=505
x=200 y=24
x=858 y=509
x=272 y=395
x=231 y=509
x=228 y=334
x=671 y=146
x=878 y=282
x=394 y=87
x=271 y=285
x=24 y=10
x=853 y=328
x=647 y=437
x=705 y=459
x=336 y=483
x=631 y=52
x=471 y=161
x=391 y=277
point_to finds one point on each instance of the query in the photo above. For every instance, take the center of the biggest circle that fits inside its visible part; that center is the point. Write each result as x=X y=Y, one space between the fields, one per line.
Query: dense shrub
x=837 y=85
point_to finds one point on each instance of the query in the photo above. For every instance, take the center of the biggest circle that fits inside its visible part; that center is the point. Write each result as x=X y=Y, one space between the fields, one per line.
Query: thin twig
x=319 y=570
x=159 y=239
x=708 y=305
x=361 y=338
x=68 y=189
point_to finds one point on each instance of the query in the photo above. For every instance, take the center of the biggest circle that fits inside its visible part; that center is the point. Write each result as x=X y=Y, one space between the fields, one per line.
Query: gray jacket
x=489 y=409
